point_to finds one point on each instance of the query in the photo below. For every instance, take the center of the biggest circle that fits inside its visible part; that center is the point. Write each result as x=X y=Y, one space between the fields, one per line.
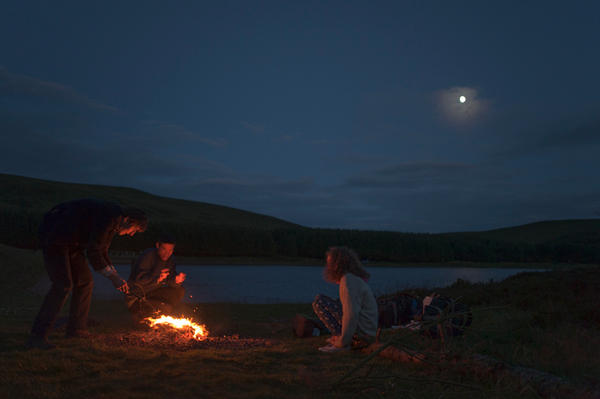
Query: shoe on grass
x=36 y=342
x=332 y=348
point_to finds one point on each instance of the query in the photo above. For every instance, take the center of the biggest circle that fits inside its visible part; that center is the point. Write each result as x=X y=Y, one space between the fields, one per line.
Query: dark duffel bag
x=445 y=314
x=396 y=309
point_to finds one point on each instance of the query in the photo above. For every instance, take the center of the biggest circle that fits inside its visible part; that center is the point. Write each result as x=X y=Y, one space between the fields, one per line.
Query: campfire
x=185 y=326
x=171 y=333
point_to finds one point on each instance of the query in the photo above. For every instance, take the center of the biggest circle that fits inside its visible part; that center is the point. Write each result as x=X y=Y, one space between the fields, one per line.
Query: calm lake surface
x=298 y=284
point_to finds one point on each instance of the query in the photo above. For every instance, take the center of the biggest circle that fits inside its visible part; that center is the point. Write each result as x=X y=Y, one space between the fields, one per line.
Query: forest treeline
x=19 y=228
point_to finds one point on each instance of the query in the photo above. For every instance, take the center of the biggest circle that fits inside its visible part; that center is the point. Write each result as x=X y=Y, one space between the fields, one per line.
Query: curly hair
x=342 y=260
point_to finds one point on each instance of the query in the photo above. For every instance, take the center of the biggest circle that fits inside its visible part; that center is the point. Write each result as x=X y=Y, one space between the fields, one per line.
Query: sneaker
x=331 y=348
x=36 y=342
x=83 y=334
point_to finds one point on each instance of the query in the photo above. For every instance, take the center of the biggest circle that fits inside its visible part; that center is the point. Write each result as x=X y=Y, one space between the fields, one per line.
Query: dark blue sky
x=328 y=114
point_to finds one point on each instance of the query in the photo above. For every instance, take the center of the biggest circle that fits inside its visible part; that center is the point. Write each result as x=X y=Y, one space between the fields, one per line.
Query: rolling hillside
x=25 y=194
x=541 y=232
x=204 y=229
x=201 y=228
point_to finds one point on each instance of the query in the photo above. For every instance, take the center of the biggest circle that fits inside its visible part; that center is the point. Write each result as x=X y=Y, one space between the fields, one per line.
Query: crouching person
x=154 y=283
x=352 y=320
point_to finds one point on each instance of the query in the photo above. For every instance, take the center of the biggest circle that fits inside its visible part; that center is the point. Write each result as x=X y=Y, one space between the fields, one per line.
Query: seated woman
x=352 y=320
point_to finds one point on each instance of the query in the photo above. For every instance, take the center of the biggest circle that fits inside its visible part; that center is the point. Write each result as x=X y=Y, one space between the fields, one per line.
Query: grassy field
x=547 y=321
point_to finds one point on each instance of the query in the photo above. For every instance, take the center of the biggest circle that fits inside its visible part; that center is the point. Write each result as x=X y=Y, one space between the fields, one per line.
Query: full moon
x=462 y=99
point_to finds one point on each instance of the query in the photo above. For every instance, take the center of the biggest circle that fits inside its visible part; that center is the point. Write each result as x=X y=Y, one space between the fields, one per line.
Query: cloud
x=155 y=130
x=433 y=195
x=138 y=154
x=569 y=133
x=12 y=84
x=254 y=128
x=285 y=138
x=299 y=201
x=575 y=133
x=425 y=196
x=321 y=142
x=142 y=161
x=263 y=185
x=48 y=156
x=363 y=159
x=461 y=114
x=453 y=196
x=421 y=175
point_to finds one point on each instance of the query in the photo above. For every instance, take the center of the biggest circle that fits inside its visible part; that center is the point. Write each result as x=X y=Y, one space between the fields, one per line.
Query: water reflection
x=276 y=284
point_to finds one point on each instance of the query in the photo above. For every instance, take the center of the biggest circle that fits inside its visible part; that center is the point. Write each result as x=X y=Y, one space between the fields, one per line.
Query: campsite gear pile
x=432 y=316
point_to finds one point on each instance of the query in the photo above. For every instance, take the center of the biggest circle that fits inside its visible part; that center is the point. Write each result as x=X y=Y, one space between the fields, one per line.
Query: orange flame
x=200 y=331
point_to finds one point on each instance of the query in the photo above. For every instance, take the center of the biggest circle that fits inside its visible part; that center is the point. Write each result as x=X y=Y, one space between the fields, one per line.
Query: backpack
x=396 y=309
x=444 y=314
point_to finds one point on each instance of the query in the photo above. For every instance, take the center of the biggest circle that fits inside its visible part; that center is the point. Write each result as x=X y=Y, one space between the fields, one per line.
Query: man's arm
x=102 y=232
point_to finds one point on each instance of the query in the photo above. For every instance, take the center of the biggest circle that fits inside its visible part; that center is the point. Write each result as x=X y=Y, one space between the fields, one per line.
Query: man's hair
x=166 y=238
x=342 y=260
x=137 y=217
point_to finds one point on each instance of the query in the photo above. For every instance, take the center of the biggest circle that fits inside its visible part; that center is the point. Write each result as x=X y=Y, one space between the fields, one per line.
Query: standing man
x=69 y=233
x=154 y=282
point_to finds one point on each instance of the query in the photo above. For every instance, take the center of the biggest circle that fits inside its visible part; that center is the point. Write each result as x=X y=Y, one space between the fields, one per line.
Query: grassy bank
x=548 y=321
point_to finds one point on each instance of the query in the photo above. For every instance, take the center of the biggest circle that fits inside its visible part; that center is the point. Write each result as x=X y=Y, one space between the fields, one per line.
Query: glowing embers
x=186 y=326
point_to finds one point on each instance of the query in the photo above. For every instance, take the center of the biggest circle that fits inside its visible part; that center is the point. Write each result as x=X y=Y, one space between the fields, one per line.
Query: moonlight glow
x=462 y=99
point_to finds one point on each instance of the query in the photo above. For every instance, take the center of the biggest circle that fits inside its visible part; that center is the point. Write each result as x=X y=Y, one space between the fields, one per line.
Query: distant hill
x=24 y=200
x=38 y=196
x=204 y=229
x=540 y=232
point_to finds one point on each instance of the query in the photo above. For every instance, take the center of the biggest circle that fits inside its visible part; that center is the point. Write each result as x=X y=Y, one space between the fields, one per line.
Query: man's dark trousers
x=68 y=270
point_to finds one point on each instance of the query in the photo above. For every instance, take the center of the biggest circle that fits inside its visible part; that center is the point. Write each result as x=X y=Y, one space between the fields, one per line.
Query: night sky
x=326 y=114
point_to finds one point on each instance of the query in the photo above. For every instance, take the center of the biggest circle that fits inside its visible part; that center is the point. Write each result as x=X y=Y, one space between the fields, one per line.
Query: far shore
x=287 y=261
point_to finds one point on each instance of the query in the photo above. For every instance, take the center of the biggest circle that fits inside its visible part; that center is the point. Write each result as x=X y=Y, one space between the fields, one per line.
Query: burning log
x=186 y=326
x=168 y=332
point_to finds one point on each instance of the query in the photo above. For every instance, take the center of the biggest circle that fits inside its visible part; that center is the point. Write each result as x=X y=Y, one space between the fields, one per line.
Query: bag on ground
x=396 y=309
x=441 y=314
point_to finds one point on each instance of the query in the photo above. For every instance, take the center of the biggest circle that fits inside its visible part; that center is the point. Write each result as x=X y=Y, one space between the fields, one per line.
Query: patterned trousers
x=329 y=311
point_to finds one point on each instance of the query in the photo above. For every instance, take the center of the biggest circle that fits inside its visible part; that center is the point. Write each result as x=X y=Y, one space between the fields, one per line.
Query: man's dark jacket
x=88 y=224
x=146 y=269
